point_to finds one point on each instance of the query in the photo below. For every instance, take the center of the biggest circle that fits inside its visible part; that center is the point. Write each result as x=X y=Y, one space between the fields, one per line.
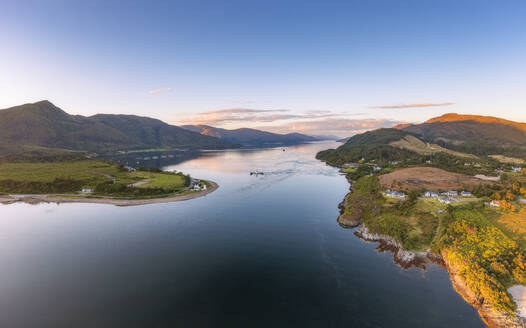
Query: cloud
x=340 y=127
x=242 y=111
x=414 y=105
x=249 y=116
x=313 y=122
x=156 y=91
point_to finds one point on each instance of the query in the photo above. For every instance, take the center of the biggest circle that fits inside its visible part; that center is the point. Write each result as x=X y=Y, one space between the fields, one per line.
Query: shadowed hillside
x=42 y=124
x=251 y=137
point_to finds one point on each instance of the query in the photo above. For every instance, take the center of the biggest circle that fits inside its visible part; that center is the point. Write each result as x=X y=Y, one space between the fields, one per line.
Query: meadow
x=104 y=178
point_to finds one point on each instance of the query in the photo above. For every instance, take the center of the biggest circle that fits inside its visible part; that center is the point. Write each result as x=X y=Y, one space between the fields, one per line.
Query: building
x=86 y=190
x=466 y=194
x=516 y=169
x=394 y=194
x=350 y=165
x=377 y=168
x=448 y=200
x=452 y=193
x=494 y=203
x=430 y=194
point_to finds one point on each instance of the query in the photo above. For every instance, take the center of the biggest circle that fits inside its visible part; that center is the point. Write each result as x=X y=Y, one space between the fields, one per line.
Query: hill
x=368 y=146
x=479 y=135
x=251 y=137
x=44 y=125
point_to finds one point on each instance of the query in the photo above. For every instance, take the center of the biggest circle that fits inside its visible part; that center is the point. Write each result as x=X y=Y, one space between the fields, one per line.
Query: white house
x=430 y=194
x=494 y=203
x=452 y=193
x=377 y=168
x=350 y=165
x=86 y=190
x=394 y=194
x=516 y=169
x=466 y=194
x=448 y=200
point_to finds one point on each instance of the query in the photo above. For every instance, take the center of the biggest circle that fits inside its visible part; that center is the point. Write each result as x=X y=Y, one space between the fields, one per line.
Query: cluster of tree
x=120 y=189
x=481 y=148
x=32 y=187
x=486 y=258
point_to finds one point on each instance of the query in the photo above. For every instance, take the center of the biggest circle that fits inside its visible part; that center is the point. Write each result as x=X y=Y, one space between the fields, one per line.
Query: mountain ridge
x=251 y=137
x=43 y=124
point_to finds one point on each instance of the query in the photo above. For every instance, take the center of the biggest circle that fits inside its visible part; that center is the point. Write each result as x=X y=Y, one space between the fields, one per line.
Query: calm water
x=259 y=252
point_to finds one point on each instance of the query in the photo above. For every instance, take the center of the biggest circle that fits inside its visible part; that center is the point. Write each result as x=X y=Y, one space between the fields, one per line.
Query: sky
x=318 y=67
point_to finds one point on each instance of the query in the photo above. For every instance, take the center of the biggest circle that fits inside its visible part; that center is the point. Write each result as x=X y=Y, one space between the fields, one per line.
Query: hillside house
x=466 y=194
x=516 y=169
x=431 y=194
x=494 y=203
x=350 y=165
x=452 y=193
x=394 y=194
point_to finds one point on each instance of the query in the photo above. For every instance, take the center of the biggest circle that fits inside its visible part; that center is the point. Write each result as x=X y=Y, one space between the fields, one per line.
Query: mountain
x=42 y=124
x=480 y=135
x=450 y=135
x=251 y=137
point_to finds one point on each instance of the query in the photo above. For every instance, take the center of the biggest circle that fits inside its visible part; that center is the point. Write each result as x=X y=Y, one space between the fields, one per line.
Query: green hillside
x=479 y=135
x=42 y=124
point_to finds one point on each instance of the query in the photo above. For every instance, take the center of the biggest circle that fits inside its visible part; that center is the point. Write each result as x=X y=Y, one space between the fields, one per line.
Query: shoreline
x=407 y=259
x=57 y=198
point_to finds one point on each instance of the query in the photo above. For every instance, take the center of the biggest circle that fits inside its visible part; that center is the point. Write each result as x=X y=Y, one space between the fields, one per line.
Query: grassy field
x=513 y=224
x=72 y=176
x=159 y=180
x=414 y=144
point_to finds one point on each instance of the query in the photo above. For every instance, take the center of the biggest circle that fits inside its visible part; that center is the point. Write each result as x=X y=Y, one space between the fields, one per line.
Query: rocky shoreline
x=407 y=259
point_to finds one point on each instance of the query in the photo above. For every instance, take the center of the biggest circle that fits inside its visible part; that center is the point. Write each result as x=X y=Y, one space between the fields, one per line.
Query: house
x=494 y=203
x=516 y=169
x=196 y=187
x=350 y=165
x=466 y=194
x=129 y=168
x=377 y=168
x=447 y=200
x=430 y=194
x=86 y=190
x=394 y=194
x=452 y=193
x=393 y=162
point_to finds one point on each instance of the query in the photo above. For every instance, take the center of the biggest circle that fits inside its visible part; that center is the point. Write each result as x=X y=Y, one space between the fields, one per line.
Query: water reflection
x=260 y=251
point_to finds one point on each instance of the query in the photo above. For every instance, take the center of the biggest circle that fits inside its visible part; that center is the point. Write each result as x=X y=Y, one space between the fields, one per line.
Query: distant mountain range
x=452 y=134
x=252 y=137
x=42 y=124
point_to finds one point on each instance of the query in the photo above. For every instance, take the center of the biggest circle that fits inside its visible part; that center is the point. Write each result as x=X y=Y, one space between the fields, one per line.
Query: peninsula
x=94 y=181
x=452 y=191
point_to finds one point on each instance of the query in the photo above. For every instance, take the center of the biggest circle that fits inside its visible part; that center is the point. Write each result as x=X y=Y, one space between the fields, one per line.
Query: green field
x=104 y=178
x=159 y=180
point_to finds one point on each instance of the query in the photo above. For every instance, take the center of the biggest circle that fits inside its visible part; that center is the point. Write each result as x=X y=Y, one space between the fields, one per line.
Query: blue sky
x=321 y=67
